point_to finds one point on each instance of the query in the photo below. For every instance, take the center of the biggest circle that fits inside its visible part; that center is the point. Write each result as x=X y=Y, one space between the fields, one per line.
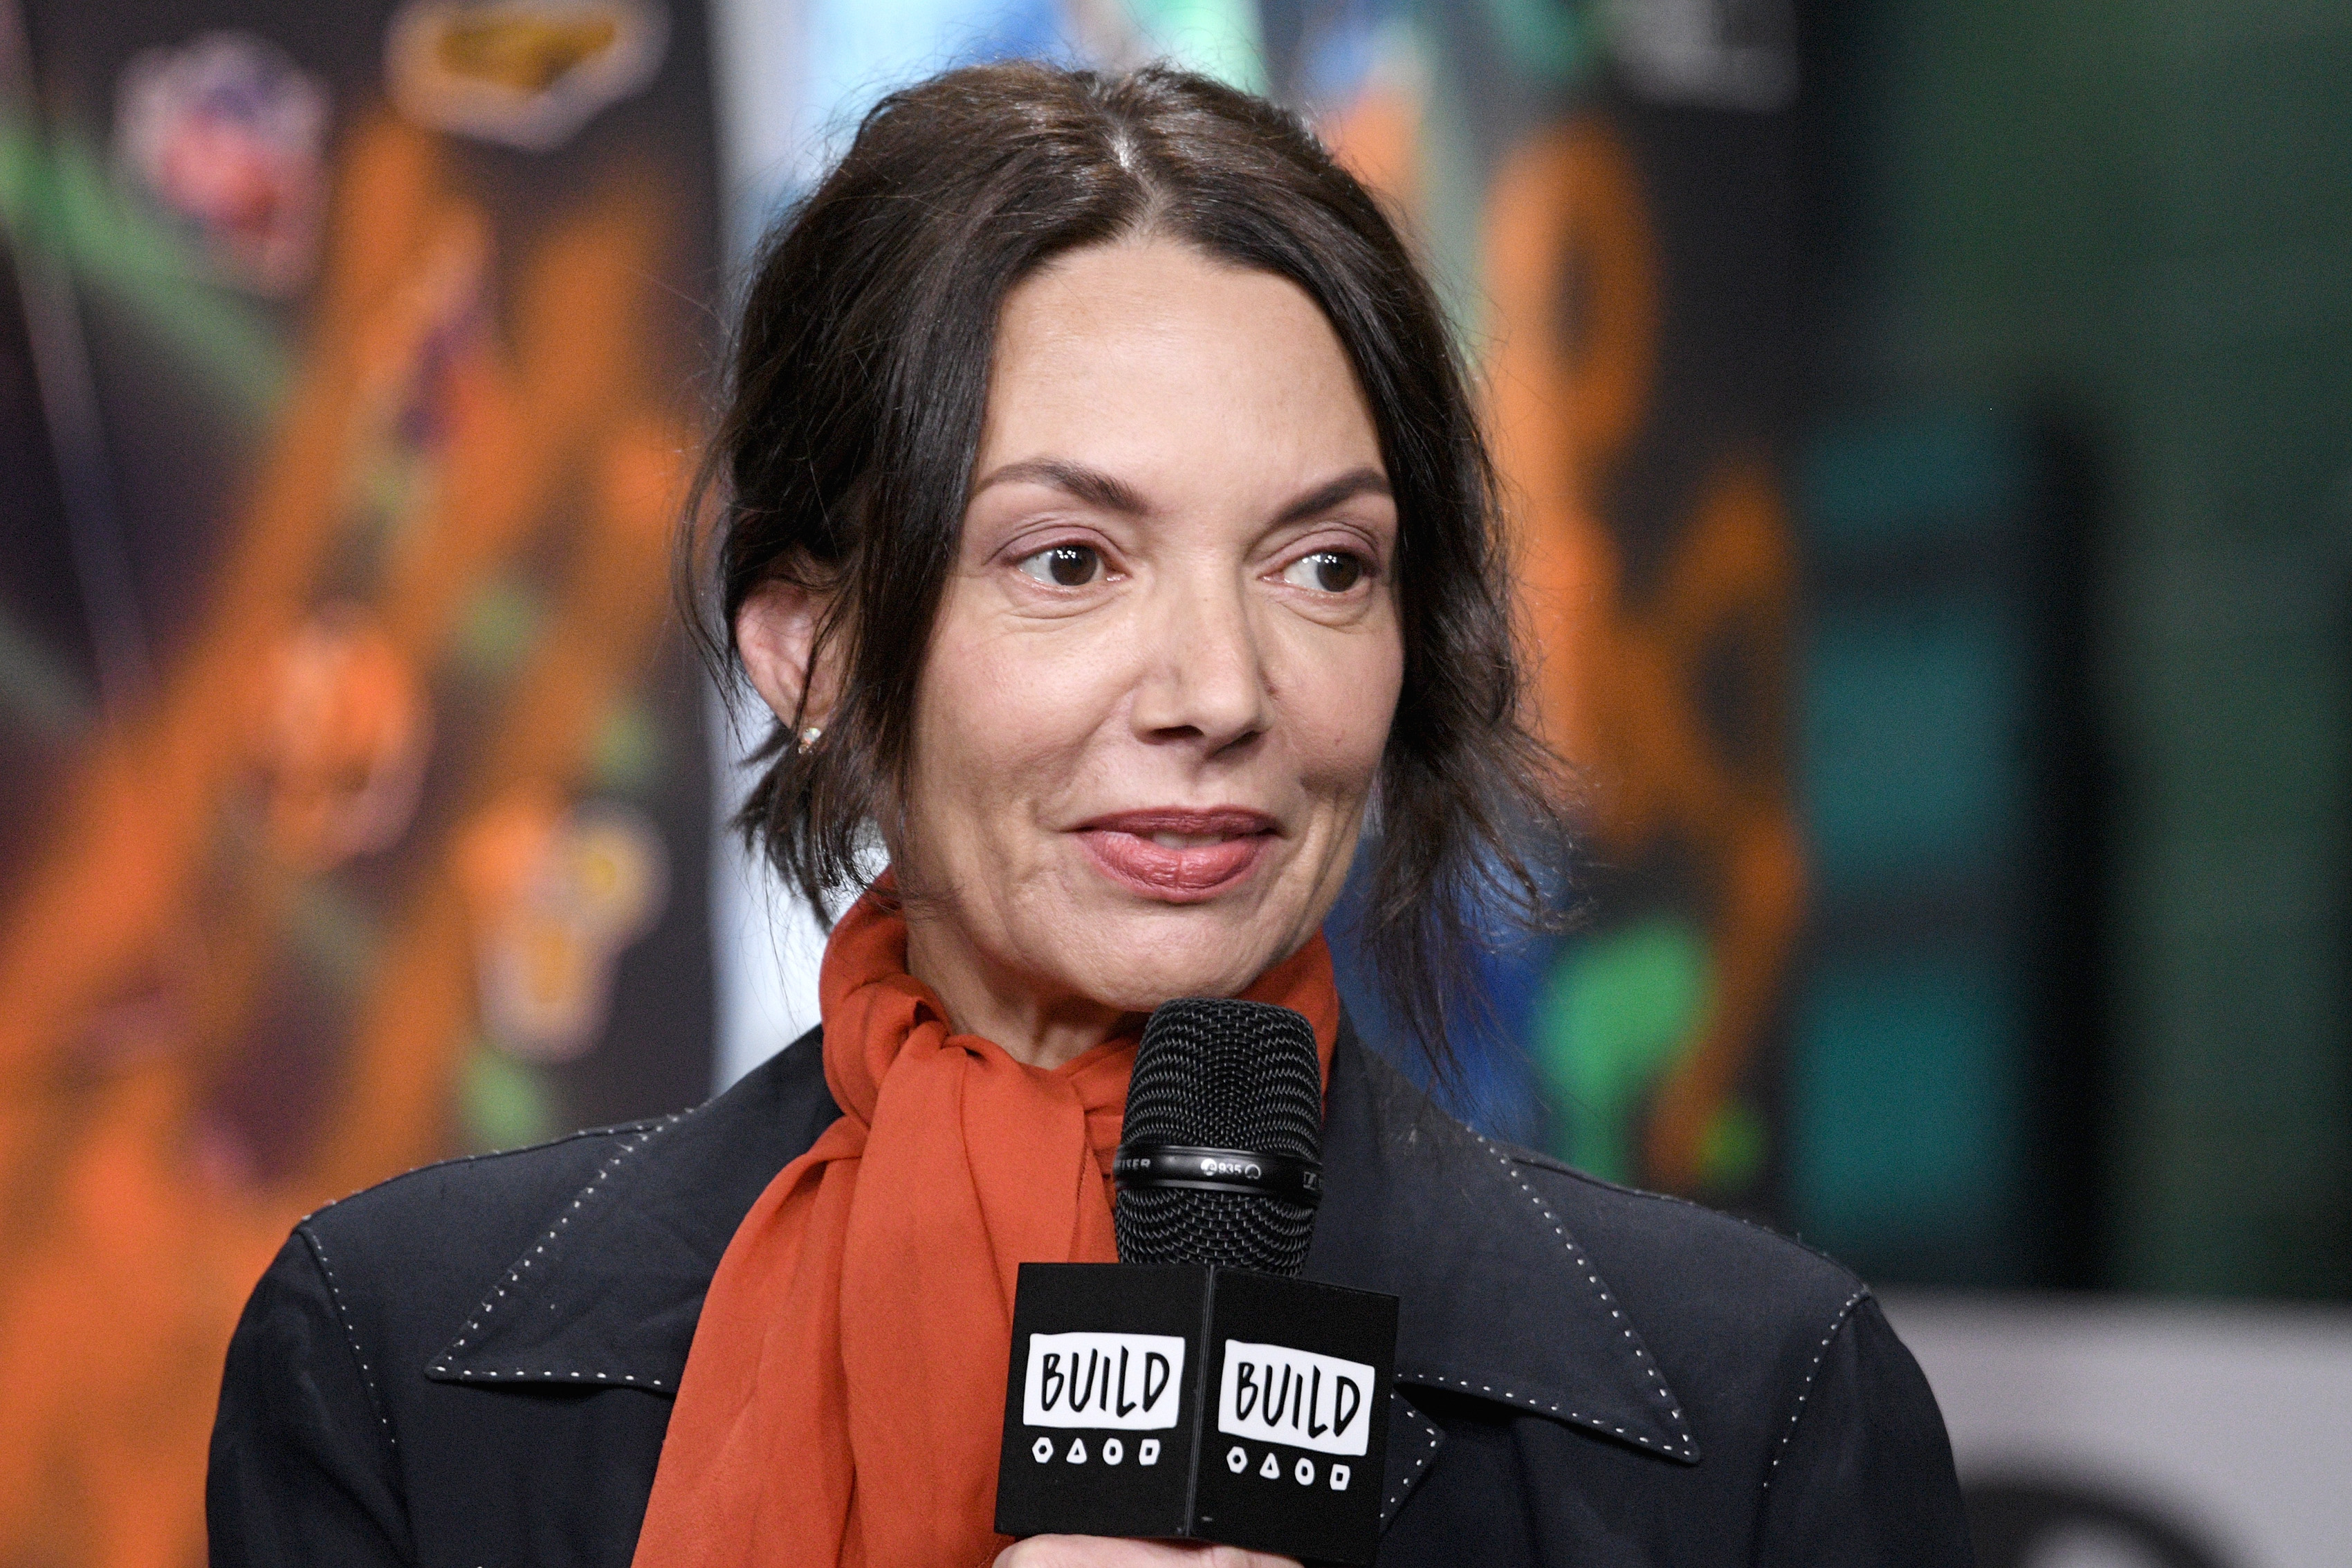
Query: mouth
x=1178 y=855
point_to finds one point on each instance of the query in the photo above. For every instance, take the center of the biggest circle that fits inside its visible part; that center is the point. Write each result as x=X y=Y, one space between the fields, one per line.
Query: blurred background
x=1930 y=430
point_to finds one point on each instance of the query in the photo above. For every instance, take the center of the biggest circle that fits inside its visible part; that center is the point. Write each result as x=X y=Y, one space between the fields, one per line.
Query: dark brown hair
x=853 y=417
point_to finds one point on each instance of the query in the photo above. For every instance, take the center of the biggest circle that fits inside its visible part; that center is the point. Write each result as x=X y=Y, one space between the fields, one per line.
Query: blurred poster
x=1606 y=191
x=358 y=797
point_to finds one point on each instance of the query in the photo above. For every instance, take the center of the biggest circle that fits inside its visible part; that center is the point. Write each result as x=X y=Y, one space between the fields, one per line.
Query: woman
x=1109 y=532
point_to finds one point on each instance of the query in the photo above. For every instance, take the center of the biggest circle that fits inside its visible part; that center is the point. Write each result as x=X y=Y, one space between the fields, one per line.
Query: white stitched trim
x=514 y=1275
x=343 y=1316
x=1806 y=1387
x=468 y=1374
x=1405 y=1482
x=1508 y=1397
x=618 y=1129
x=1633 y=1342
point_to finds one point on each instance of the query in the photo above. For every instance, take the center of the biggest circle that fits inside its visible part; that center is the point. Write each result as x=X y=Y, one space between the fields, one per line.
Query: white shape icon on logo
x=1237 y=1459
x=1304 y=1473
x=1146 y=1452
x=1042 y=1449
x=1078 y=1454
x=1113 y=1450
x=1338 y=1477
x=1272 y=1469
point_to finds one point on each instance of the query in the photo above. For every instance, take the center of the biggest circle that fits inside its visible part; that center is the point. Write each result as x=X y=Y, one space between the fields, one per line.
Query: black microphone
x=1220 y=1158
x=1197 y=1389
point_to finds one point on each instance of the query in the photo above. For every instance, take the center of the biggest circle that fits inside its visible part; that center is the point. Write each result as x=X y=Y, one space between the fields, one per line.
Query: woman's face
x=1166 y=663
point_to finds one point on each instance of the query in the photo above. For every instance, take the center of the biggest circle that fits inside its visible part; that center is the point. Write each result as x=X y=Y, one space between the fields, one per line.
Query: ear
x=775 y=630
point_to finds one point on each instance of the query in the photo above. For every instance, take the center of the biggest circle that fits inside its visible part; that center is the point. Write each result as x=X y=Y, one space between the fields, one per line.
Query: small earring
x=811 y=736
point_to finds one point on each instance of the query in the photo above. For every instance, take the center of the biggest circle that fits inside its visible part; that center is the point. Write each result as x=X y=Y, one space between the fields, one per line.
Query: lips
x=1178 y=855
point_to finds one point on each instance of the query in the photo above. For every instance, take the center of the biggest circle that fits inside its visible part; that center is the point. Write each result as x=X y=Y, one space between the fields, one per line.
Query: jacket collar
x=1498 y=1300
x=612 y=1285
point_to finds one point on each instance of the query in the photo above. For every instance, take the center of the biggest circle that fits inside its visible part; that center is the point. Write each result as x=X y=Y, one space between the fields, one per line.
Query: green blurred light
x=1731 y=1150
x=60 y=201
x=1216 y=37
x=1617 y=1010
x=503 y=1102
x=1549 y=39
x=498 y=629
x=627 y=757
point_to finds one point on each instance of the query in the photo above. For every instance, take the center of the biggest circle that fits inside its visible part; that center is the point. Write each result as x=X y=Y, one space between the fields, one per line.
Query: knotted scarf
x=843 y=1400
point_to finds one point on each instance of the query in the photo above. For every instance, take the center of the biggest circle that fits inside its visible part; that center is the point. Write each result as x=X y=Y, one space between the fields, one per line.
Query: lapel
x=610 y=1289
x=1498 y=1300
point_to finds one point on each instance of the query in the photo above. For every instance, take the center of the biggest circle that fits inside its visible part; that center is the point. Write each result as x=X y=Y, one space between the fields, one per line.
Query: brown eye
x=1327 y=571
x=1065 y=566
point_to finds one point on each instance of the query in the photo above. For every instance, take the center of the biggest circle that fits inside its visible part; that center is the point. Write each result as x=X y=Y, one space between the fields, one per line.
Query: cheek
x=1003 y=722
x=1341 y=710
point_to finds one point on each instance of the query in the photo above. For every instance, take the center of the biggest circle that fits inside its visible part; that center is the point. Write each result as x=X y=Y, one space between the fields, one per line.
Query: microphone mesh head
x=1222 y=1074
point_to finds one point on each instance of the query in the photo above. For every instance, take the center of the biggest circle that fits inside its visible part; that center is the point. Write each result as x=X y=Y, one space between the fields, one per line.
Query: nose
x=1203 y=673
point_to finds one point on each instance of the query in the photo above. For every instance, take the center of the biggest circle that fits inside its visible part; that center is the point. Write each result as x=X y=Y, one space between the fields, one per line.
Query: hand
x=1102 y=1551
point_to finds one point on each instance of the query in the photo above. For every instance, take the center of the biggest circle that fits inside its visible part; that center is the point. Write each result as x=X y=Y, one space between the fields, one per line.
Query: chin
x=1138 y=962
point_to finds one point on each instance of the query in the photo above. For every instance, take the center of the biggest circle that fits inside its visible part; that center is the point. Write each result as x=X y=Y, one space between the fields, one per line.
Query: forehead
x=1145 y=353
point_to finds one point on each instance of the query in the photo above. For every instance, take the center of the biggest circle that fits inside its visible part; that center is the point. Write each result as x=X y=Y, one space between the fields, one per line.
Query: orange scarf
x=843 y=1400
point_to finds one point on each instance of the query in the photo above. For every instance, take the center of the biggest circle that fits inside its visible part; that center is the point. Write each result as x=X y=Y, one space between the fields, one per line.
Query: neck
x=1035 y=1026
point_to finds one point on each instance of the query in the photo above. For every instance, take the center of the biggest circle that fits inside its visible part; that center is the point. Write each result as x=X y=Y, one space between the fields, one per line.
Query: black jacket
x=472 y=1364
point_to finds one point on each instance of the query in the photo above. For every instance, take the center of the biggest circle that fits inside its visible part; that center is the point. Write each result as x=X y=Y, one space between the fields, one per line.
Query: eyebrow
x=1111 y=493
x=1091 y=485
x=1355 y=482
